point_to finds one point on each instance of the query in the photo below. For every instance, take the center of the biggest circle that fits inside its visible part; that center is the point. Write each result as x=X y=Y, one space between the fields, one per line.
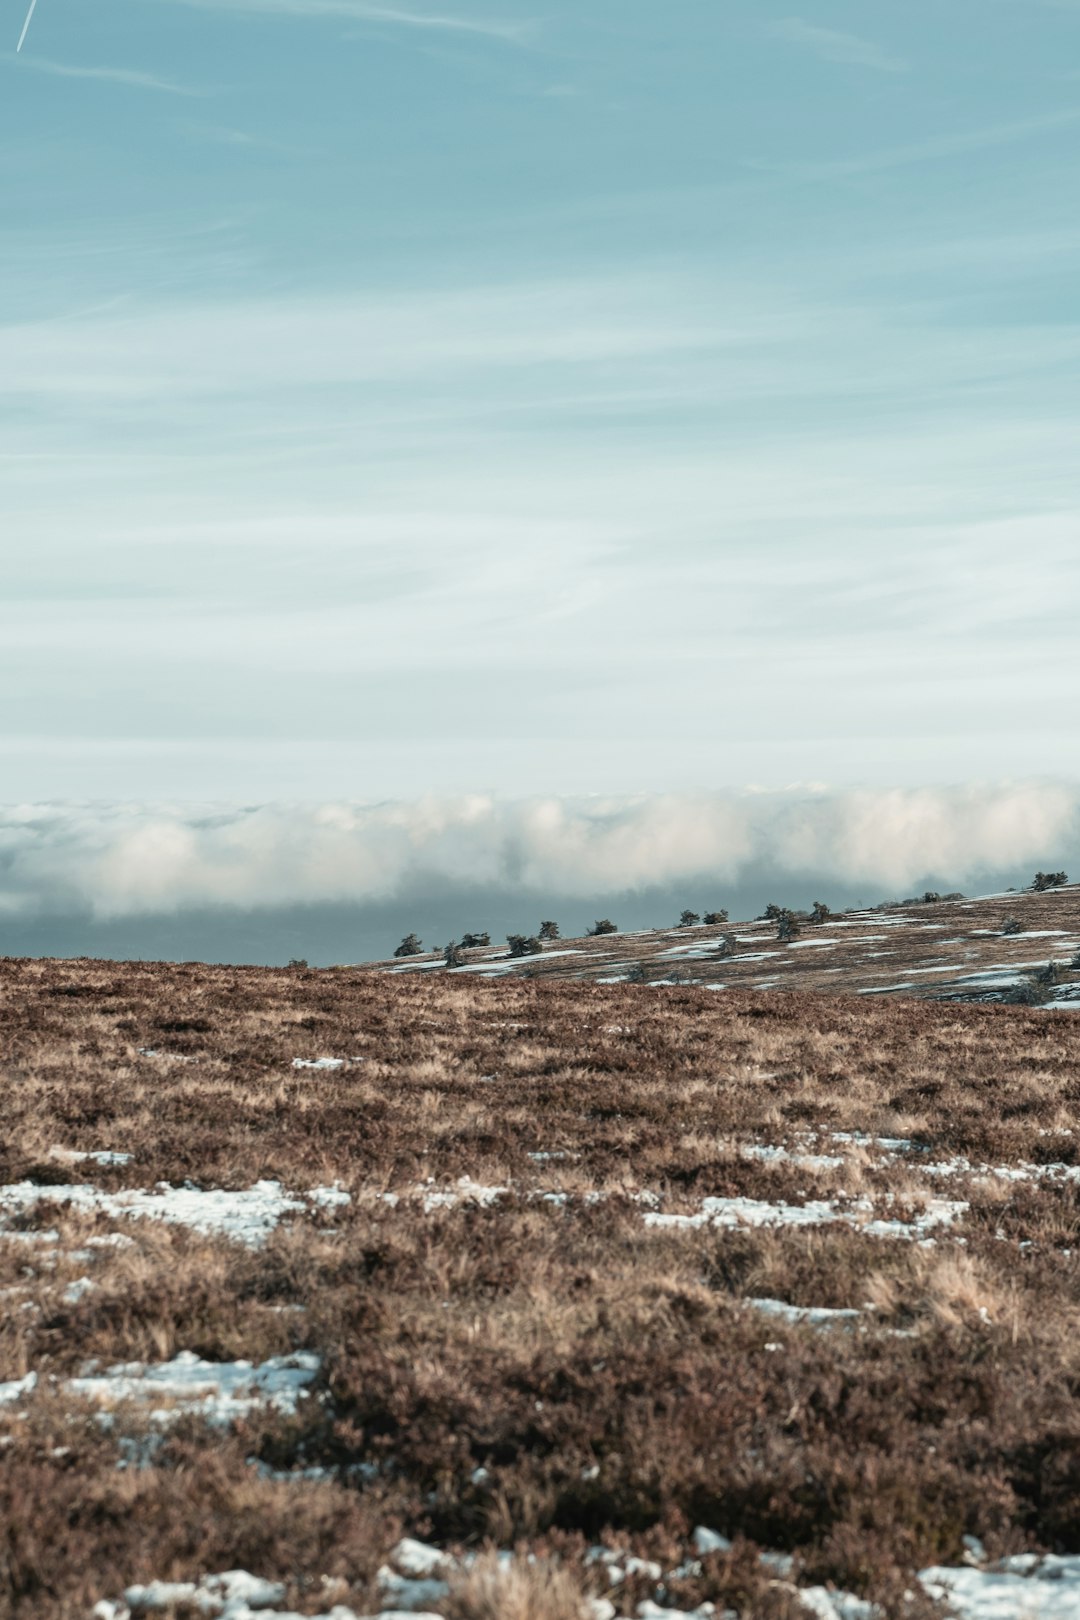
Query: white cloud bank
x=131 y=860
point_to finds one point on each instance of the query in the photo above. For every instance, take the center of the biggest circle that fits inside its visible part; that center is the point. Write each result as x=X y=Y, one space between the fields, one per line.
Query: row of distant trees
x=789 y=924
x=533 y=944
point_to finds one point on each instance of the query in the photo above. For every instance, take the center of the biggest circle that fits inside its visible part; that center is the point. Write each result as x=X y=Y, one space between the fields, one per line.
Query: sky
x=408 y=402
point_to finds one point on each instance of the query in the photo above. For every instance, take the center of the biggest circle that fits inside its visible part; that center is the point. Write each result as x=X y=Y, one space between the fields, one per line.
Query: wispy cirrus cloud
x=833 y=46
x=511 y=31
x=957 y=144
x=111 y=75
x=492 y=27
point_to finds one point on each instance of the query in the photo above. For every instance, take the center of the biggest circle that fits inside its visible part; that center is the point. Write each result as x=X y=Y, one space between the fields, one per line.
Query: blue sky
x=607 y=397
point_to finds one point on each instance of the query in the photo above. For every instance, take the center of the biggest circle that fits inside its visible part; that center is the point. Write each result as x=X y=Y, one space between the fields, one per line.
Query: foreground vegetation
x=511 y=1349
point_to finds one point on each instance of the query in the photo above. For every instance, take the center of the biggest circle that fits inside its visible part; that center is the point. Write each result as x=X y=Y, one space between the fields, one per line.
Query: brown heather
x=529 y=1375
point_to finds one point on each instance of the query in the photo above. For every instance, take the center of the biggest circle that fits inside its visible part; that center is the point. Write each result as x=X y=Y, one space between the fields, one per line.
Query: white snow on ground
x=30 y=1239
x=827 y=1605
x=1005 y=1172
x=72 y=1156
x=319 y=1063
x=888 y=1144
x=247 y=1216
x=810 y=1315
x=218 y=1391
x=234 y=1595
x=503 y=963
x=16 y=1388
x=1020 y=1588
x=409 y=1594
x=721 y=1212
x=715 y=1212
x=466 y=1191
x=778 y=1155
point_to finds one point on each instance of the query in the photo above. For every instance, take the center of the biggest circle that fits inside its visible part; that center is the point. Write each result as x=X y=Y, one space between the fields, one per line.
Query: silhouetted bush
x=1052 y=974
x=728 y=946
x=689 y=919
x=410 y=946
x=714 y=919
x=473 y=942
x=298 y=961
x=1049 y=880
x=454 y=956
x=931 y=897
x=638 y=974
x=1028 y=994
x=1012 y=925
x=820 y=913
x=772 y=912
x=955 y=895
x=549 y=930
x=787 y=927
x=604 y=926
x=524 y=945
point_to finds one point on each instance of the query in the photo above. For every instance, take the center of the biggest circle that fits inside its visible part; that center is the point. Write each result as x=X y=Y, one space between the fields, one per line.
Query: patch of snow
x=247 y=1216
x=466 y=1191
x=416 y=1558
x=1005 y=1172
x=234 y=1595
x=734 y=1212
x=407 y=1595
x=778 y=1155
x=888 y=1144
x=1027 y=1586
x=710 y=1541
x=329 y=1197
x=16 y=1388
x=318 y=1063
x=810 y=1315
x=621 y=1566
x=826 y=1604
x=72 y=1156
x=218 y=1391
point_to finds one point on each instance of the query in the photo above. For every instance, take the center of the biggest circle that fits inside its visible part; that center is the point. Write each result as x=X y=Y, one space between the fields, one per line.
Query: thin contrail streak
x=25 y=26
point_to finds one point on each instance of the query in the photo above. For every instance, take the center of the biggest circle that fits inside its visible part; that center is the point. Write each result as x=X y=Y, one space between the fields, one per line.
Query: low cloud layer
x=117 y=861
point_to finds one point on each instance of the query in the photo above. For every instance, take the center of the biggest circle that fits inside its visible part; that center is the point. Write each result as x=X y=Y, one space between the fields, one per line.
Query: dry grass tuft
x=516 y=1590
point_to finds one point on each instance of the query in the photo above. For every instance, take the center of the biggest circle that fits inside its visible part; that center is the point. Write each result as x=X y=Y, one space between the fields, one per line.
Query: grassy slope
x=928 y=952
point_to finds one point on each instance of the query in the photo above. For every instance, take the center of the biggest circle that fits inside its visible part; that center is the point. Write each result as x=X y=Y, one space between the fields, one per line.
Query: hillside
x=947 y=950
x=670 y=1299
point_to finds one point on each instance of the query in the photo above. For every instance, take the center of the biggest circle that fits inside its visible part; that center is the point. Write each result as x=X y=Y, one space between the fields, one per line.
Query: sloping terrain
x=747 y=1301
x=952 y=950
